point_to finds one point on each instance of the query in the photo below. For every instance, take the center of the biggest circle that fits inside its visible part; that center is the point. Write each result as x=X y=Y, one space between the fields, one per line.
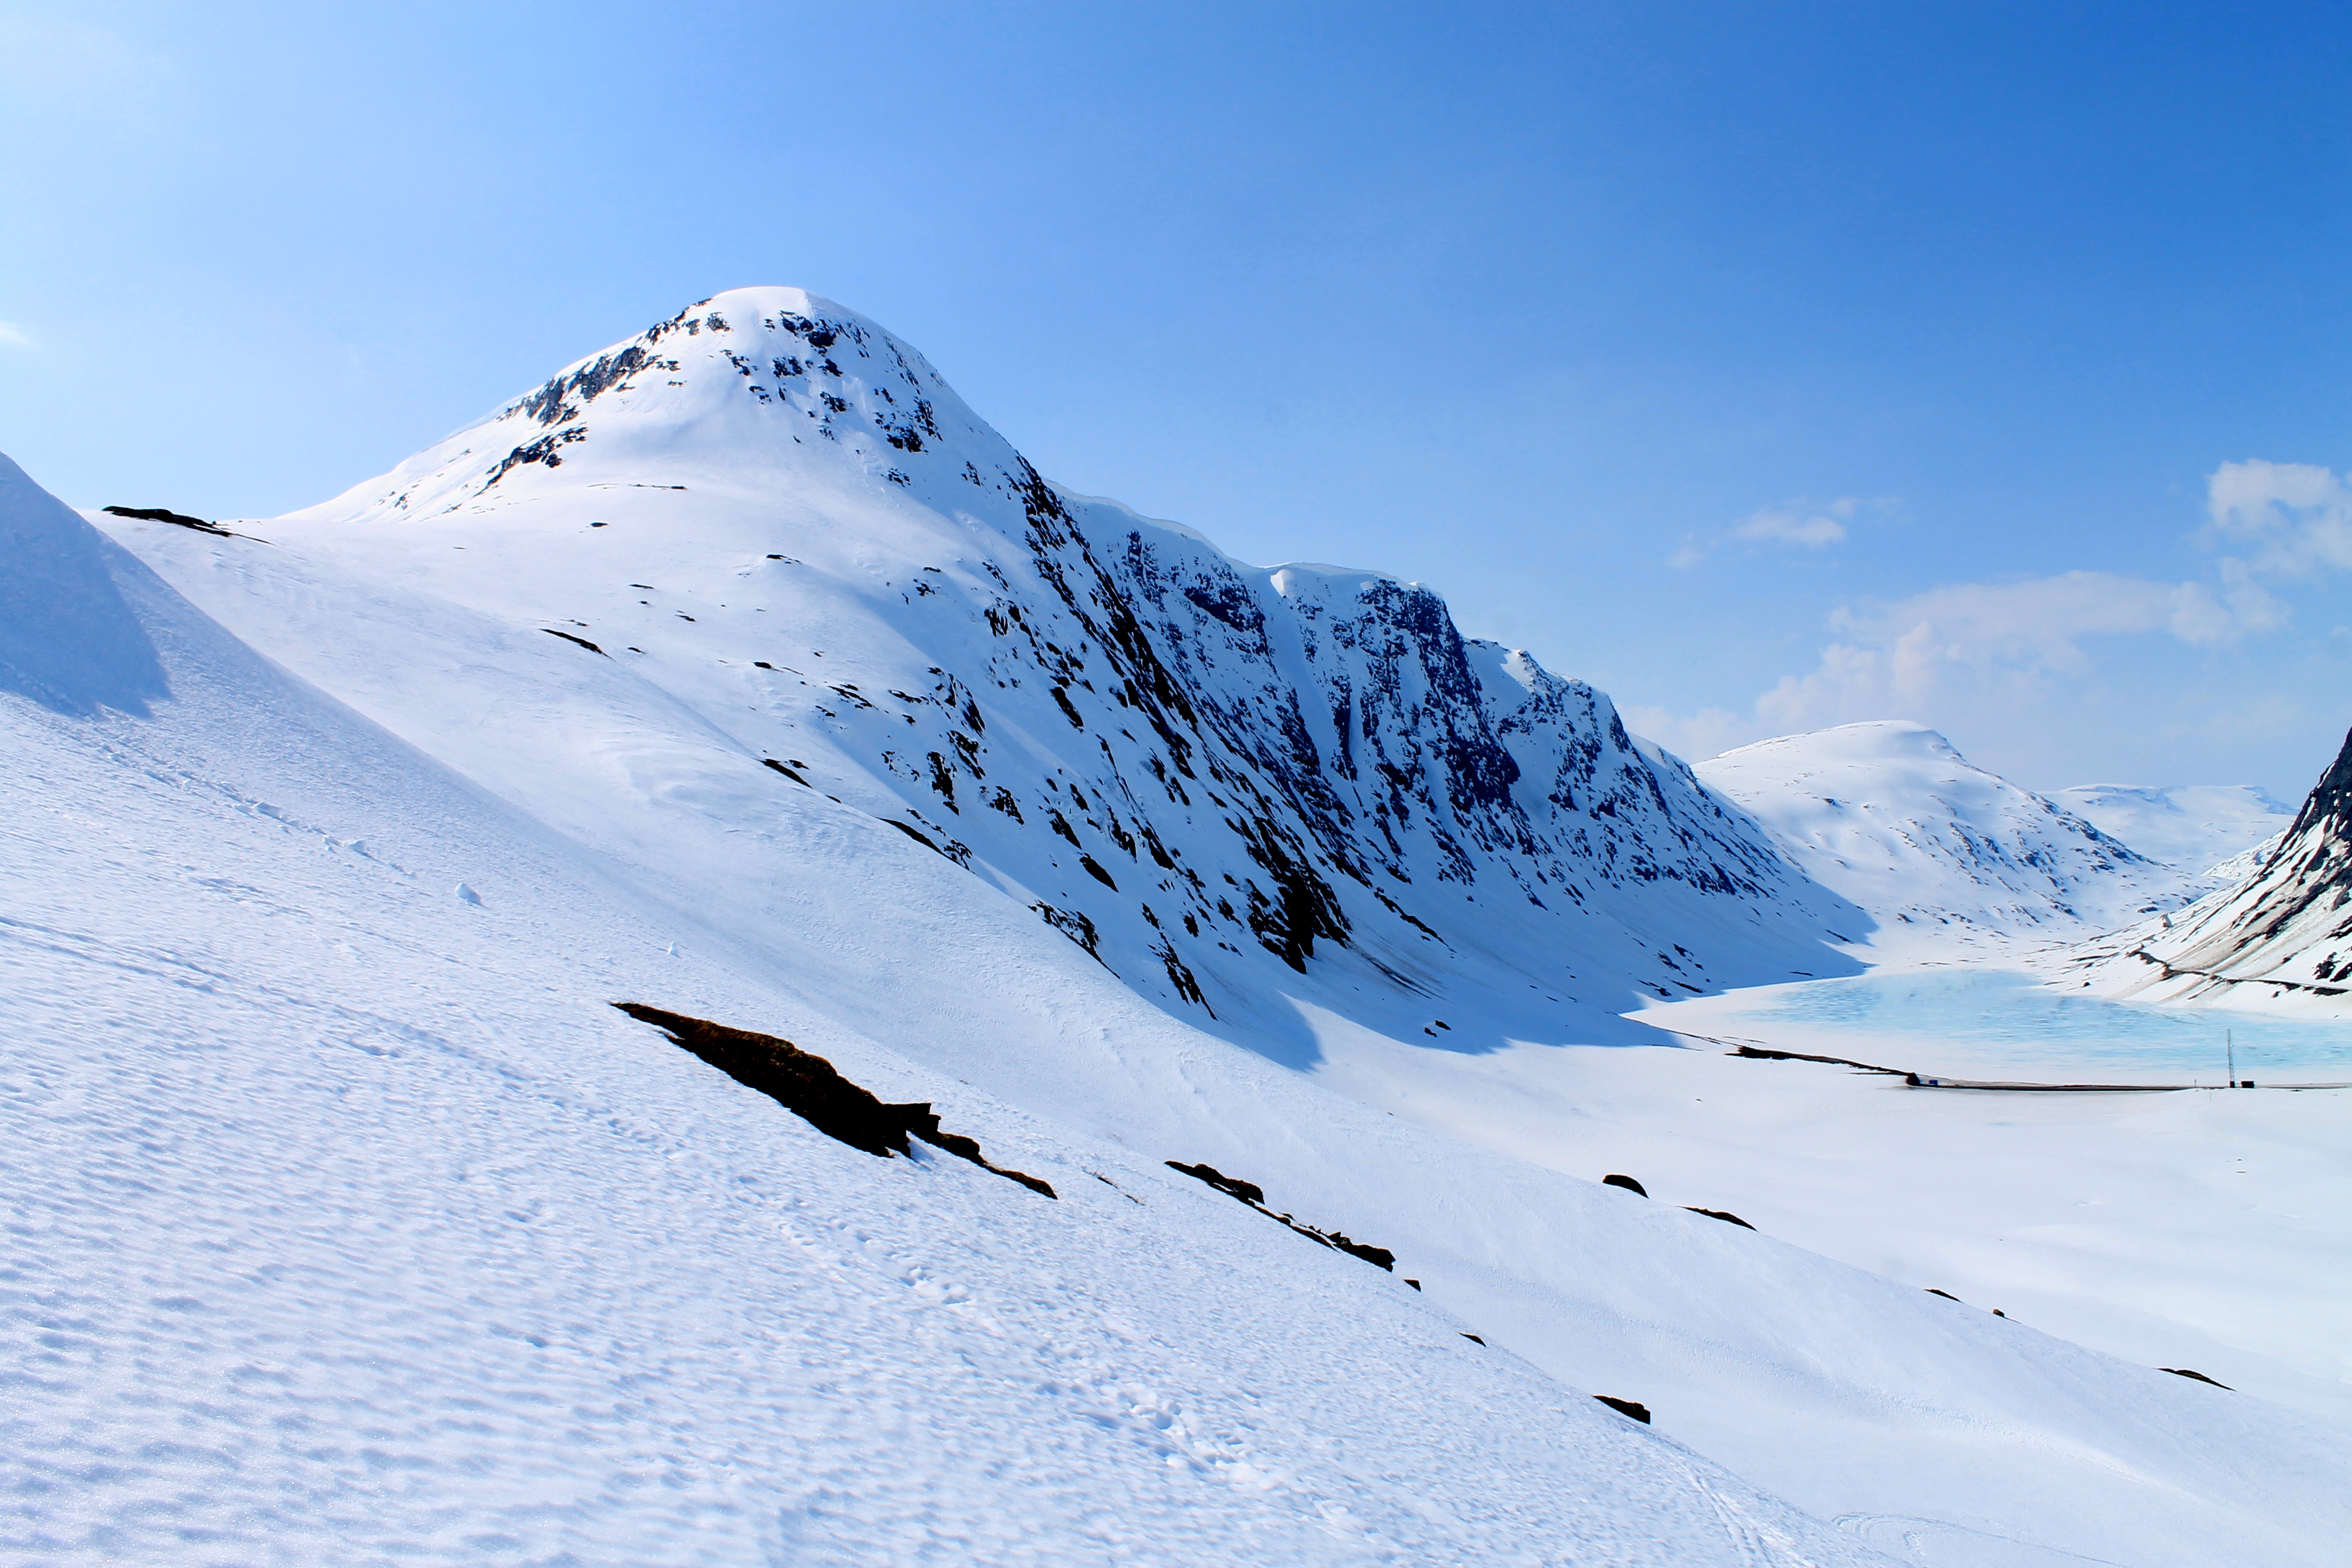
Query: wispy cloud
x=2012 y=638
x=13 y=336
x=1797 y=523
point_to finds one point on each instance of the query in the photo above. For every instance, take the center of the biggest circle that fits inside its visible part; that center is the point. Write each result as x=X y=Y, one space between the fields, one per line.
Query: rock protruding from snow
x=1892 y=816
x=2283 y=933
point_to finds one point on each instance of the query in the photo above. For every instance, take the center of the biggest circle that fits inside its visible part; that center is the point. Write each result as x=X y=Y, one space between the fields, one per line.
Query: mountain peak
x=763 y=387
x=1216 y=779
x=1869 y=738
x=2331 y=799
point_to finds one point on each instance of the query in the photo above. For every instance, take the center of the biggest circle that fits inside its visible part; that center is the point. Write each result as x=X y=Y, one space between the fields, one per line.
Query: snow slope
x=530 y=1280
x=353 y=1225
x=348 y=1223
x=2190 y=827
x=786 y=537
x=2279 y=936
x=1946 y=856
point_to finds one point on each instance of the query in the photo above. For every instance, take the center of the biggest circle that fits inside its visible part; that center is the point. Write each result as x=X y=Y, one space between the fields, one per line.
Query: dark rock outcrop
x=2184 y=1372
x=811 y=1088
x=1251 y=1194
x=159 y=514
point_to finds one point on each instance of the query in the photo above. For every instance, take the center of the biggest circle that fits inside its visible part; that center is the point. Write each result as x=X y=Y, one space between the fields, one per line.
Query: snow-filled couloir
x=777 y=554
x=1945 y=855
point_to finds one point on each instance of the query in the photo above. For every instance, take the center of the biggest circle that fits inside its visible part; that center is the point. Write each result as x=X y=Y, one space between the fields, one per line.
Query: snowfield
x=349 y=1222
x=2193 y=827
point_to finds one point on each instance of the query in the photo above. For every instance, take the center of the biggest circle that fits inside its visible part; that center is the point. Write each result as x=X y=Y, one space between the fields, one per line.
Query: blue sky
x=1769 y=366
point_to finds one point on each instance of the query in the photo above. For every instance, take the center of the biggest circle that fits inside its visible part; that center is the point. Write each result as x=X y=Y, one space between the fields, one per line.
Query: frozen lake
x=1964 y=1021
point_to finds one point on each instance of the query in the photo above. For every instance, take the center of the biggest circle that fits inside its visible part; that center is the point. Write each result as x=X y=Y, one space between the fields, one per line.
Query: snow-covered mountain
x=2283 y=933
x=2245 y=863
x=356 y=1221
x=1945 y=856
x=763 y=549
x=349 y=1222
x=2193 y=829
x=353 y=1222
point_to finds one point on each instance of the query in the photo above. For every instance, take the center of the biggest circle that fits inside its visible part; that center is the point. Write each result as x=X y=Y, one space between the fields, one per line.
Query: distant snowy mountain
x=2281 y=934
x=2190 y=827
x=2245 y=863
x=763 y=549
x=1943 y=854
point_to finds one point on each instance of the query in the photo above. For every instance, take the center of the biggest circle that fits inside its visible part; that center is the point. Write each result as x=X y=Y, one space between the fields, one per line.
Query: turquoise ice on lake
x=1956 y=1020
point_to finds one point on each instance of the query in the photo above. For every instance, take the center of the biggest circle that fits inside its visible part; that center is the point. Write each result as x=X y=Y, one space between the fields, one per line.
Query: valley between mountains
x=714 y=969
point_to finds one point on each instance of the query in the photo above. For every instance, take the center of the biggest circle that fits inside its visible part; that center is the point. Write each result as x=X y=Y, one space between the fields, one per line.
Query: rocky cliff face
x=1209 y=775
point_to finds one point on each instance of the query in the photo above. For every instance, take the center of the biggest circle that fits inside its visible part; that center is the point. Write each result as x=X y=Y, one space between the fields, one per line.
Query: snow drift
x=68 y=640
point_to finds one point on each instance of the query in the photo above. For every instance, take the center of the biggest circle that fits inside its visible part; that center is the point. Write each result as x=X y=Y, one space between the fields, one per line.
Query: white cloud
x=2297 y=517
x=2006 y=658
x=13 y=336
x=2005 y=641
x=1796 y=523
x=1994 y=651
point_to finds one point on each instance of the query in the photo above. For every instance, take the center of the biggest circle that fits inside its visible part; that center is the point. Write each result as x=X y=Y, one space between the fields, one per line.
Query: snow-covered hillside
x=348 y=1221
x=2190 y=827
x=352 y=1222
x=1946 y=857
x=2280 y=935
x=763 y=549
